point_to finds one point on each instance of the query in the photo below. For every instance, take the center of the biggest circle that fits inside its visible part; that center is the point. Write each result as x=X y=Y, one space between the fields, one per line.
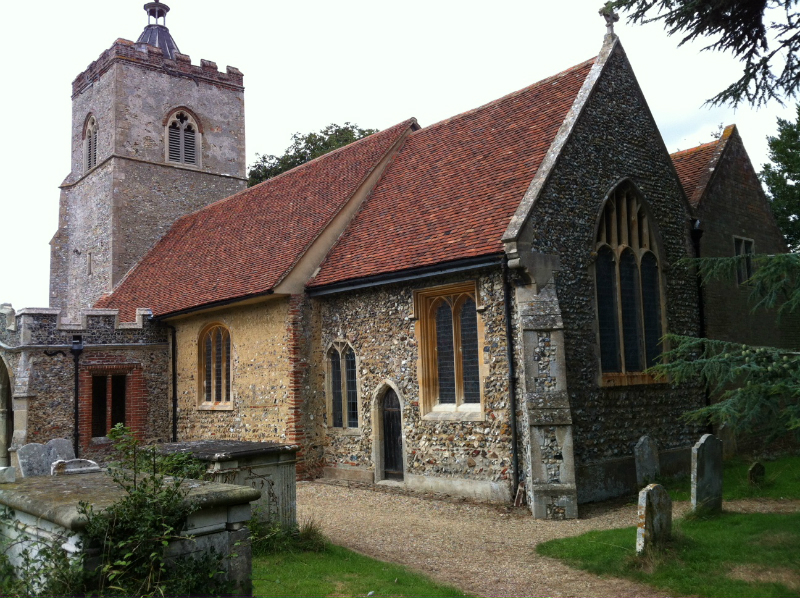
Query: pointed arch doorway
x=391 y=442
x=6 y=416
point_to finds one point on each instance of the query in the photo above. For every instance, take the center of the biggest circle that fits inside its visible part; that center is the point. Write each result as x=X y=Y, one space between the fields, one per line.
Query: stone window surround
x=203 y=405
x=198 y=128
x=744 y=270
x=90 y=130
x=624 y=378
x=425 y=330
x=339 y=345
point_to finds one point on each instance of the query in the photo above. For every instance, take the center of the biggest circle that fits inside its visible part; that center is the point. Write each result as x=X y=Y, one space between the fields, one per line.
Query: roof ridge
x=509 y=95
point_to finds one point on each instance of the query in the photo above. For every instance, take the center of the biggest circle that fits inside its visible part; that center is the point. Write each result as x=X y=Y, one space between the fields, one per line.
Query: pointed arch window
x=90 y=144
x=342 y=386
x=183 y=139
x=215 y=366
x=450 y=348
x=628 y=290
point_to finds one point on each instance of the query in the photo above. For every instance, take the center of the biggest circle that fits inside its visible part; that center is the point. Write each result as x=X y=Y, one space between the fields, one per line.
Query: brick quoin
x=136 y=404
x=295 y=431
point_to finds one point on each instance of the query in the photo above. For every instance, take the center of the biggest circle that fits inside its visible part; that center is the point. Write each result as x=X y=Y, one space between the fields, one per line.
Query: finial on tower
x=611 y=17
x=156 y=32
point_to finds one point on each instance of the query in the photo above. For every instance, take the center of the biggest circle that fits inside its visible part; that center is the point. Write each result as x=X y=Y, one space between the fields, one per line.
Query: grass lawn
x=336 y=571
x=782 y=481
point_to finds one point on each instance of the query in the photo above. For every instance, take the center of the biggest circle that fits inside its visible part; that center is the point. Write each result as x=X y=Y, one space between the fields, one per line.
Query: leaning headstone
x=8 y=475
x=59 y=448
x=655 y=517
x=728 y=437
x=755 y=475
x=707 y=474
x=33 y=460
x=73 y=466
x=645 y=454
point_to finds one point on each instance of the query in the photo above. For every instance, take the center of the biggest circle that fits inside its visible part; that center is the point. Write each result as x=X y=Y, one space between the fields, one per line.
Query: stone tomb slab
x=73 y=466
x=655 y=517
x=645 y=455
x=707 y=474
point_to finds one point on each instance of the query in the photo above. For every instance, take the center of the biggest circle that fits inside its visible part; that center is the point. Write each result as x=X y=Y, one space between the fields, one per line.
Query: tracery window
x=183 y=138
x=215 y=366
x=90 y=144
x=628 y=290
x=450 y=350
x=342 y=386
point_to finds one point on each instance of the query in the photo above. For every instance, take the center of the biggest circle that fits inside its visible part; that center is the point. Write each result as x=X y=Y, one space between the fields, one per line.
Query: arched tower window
x=215 y=365
x=183 y=139
x=90 y=144
x=628 y=290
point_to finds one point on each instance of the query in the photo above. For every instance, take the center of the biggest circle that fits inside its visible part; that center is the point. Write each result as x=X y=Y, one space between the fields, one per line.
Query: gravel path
x=484 y=550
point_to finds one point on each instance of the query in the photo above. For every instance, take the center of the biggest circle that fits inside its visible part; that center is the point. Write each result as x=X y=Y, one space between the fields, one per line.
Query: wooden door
x=392 y=438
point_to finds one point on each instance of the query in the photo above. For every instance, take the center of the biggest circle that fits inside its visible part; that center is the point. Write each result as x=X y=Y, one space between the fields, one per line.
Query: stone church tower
x=153 y=138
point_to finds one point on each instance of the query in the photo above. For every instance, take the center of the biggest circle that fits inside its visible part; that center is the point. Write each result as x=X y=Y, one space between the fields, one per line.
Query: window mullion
x=620 y=328
x=457 y=356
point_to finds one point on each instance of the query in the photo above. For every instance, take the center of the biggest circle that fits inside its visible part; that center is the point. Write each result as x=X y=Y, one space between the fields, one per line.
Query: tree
x=782 y=178
x=305 y=148
x=742 y=27
x=758 y=387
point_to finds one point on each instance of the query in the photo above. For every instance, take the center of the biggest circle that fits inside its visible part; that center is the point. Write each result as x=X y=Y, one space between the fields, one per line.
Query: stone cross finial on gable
x=611 y=17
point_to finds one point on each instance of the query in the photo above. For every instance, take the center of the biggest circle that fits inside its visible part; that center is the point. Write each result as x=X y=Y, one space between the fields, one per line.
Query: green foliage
x=759 y=387
x=782 y=178
x=744 y=28
x=337 y=571
x=129 y=455
x=305 y=148
x=132 y=534
x=267 y=538
x=732 y=554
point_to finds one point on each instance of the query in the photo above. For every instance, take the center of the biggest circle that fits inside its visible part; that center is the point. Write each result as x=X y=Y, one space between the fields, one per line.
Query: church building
x=469 y=307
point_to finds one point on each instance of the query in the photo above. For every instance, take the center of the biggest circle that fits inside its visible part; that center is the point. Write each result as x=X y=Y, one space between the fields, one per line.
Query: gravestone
x=8 y=475
x=33 y=460
x=59 y=448
x=655 y=517
x=755 y=475
x=73 y=466
x=645 y=454
x=707 y=474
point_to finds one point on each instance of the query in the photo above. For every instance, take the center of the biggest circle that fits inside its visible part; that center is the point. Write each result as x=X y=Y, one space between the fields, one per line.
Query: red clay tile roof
x=245 y=244
x=452 y=189
x=692 y=166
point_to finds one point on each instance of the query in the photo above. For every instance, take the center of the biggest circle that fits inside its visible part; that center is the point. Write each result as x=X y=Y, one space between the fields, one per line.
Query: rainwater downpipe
x=512 y=377
x=174 y=360
x=76 y=350
x=696 y=235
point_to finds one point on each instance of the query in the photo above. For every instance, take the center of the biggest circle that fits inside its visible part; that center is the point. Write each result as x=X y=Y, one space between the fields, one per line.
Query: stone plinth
x=46 y=507
x=269 y=467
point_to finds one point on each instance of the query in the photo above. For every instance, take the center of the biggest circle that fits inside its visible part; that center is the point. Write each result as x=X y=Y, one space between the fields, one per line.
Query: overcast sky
x=308 y=64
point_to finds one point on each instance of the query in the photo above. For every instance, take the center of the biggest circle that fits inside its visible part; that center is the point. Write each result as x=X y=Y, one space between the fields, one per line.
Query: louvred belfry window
x=628 y=290
x=90 y=144
x=215 y=365
x=342 y=386
x=182 y=138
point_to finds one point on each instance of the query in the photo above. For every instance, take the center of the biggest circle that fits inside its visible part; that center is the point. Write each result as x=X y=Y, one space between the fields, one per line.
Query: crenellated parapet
x=47 y=327
x=152 y=58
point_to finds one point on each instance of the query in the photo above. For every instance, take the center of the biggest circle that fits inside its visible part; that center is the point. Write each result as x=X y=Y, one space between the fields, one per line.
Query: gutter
x=471 y=263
